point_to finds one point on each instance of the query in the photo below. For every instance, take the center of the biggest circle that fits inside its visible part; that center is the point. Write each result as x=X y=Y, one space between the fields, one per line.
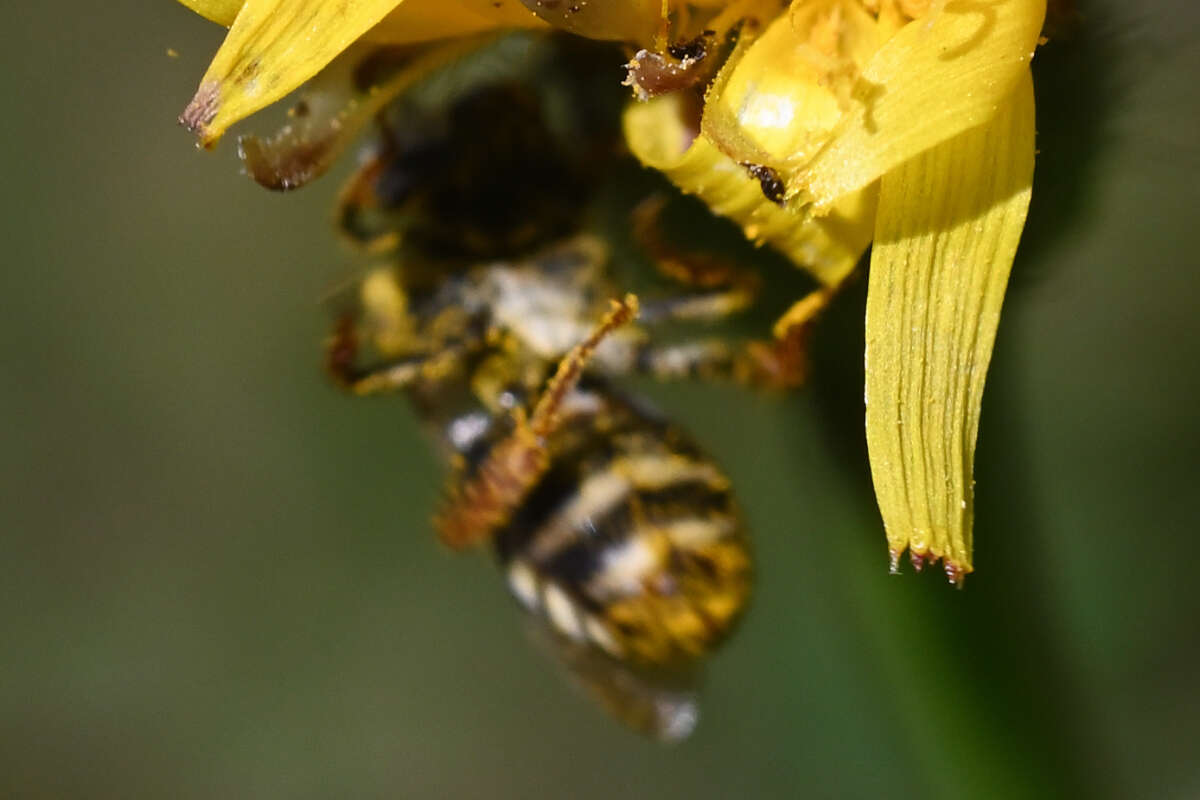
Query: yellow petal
x=938 y=76
x=222 y=12
x=335 y=106
x=637 y=21
x=778 y=100
x=426 y=20
x=411 y=21
x=828 y=247
x=947 y=229
x=273 y=47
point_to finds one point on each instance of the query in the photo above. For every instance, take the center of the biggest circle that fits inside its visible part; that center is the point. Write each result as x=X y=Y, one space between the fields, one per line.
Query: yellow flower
x=274 y=46
x=830 y=124
x=910 y=124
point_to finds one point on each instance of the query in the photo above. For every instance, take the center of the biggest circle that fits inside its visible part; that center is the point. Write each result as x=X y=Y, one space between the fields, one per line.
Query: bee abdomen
x=640 y=553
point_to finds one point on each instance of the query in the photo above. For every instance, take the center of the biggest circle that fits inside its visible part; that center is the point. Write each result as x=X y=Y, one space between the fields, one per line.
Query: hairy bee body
x=631 y=540
x=611 y=526
x=626 y=540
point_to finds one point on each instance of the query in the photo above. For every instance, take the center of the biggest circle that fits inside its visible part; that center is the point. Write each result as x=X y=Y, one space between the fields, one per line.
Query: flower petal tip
x=955 y=572
x=200 y=113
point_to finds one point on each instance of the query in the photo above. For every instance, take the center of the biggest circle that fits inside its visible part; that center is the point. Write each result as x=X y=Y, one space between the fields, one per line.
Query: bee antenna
x=476 y=508
x=545 y=415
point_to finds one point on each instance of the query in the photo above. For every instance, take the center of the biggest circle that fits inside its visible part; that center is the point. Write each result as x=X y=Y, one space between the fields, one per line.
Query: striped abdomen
x=631 y=540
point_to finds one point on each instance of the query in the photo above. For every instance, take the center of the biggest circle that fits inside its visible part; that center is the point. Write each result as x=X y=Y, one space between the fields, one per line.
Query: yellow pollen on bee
x=659 y=470
x=723 y=606
x=690 y=533
x=687 y=628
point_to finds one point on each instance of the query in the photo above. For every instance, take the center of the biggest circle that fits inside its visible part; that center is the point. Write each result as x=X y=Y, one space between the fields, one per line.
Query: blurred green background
x=218 y=577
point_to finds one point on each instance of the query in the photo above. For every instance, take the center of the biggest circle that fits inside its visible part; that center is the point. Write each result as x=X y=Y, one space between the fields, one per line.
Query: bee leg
x=782 y=363
x=702 y=306
x=341 y=364
x=773 y=365
x=692 y=268
x=478 y=506
x=709 y=359
x=722 y=289
x=355 y=200
x=779 y=363
x=719 y=288
x=391 y=376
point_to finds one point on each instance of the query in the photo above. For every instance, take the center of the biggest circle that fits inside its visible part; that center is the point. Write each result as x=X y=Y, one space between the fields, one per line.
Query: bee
x=609 y=522
x=498 y=317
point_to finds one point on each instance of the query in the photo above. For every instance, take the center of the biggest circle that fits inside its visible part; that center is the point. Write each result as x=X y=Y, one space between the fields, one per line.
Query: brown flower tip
x=202 y=110
x=956 y=574
x=893 y=562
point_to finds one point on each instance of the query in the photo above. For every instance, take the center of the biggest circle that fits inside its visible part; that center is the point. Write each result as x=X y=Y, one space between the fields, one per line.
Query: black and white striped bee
x=609 y=522
x=497 y=316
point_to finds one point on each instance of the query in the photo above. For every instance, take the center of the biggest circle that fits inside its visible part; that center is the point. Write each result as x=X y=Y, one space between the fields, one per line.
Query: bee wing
x=662 y=704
